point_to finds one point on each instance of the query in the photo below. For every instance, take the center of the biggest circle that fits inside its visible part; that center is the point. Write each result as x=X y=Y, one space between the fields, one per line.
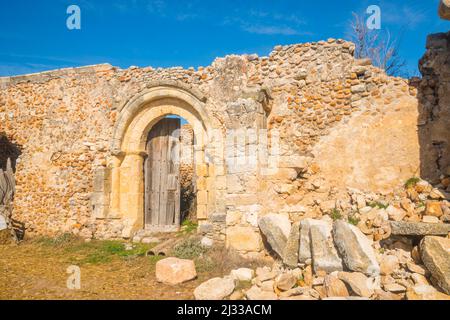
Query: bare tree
x=377 y=45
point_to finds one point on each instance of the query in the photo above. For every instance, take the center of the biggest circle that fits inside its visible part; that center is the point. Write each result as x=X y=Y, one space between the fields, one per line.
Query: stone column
x=114 y=211
x=132 y=192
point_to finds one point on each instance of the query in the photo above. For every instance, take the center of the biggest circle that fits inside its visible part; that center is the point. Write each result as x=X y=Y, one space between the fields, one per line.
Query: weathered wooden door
x=162 y=183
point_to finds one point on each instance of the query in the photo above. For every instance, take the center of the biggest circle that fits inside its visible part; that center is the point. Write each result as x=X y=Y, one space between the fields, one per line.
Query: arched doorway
x=137 y=119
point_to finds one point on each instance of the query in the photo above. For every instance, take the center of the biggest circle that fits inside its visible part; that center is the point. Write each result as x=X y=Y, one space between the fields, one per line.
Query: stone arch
x=136 y=119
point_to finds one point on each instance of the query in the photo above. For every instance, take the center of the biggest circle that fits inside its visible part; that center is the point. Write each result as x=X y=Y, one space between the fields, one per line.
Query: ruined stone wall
x=341 y=122
x=434 y=100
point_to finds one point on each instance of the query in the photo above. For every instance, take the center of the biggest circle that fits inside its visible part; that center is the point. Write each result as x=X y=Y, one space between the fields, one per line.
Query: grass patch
x=335 y=214
x=61 y=240
x=353 y=220
x=379 y=205
x=188 y=227
x=97 y=252
x=411 y=182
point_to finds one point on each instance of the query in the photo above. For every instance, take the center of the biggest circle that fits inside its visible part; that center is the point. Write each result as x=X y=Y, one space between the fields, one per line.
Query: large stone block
x=276 y=229
x=304 y=253
x=400 y=228
x=215 y=289
x=175 y=271
x=290 y=254
x=324 y=255
x=243 y=239
x=355 y=248
x=435 y=252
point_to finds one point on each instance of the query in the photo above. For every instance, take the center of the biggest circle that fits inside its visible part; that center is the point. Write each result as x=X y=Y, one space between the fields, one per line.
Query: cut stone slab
x=358 y=282
x=435 y=252
x=175 y=271
x=255 y=293
x=215 y=289
x=276 y=228
x=355 y=249
x=324 y=254
x=400 y=228
x=304 y=252
x=290 y=254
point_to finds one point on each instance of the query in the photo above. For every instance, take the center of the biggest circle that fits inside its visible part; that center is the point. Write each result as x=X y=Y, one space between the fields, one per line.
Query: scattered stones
x=175 y=271
x=402 y=228
x=207 y=242
x=215 y=289
x=276 y=228
x=435 y=252
x=389 y=263
x=355 y=248
x=358 y=282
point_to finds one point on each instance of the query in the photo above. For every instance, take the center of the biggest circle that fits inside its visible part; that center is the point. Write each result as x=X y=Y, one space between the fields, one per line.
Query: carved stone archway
x=136 y=119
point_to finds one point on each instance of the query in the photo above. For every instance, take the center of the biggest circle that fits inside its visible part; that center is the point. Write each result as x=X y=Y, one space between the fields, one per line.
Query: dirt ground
x=37 y=269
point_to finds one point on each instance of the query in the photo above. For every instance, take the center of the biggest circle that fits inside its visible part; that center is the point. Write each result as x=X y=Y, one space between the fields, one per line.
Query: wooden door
x=162 y=183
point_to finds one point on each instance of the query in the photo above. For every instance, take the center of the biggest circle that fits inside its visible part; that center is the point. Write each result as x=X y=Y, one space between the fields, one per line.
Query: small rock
x=334 y=287
x=433 y=208
x=255 y=293
x=419 y=279
x=358 y=282
x=436 y=194
x=207 y=242
x=237 y=295
x=394 y=287
x=286 y=281
x=215 y=289
x=267 y=285
x=388 y=264
x=243 y=274
x=430 y=219
x=395 y=214
x=424 y=292
x=416 y=268
x=175 y=271
x=383 y=295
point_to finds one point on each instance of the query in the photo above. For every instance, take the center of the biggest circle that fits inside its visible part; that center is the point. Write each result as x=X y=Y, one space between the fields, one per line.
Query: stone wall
x=434 y=99
x=341 y=123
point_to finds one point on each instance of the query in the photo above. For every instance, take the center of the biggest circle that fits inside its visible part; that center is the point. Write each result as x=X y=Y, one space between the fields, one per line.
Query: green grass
x=353 y=220
x=97 y=252
x=188 y=227
x=411 y=182
x=379 y=205
x=335 y=214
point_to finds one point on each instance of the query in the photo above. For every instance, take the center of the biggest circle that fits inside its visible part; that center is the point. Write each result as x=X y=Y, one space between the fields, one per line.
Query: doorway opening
x=169 y=175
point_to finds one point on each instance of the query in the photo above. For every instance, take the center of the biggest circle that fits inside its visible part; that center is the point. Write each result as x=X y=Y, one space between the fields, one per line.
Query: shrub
x=411 y=182
x=353 y=220
x=189 y=249
x=335 y=214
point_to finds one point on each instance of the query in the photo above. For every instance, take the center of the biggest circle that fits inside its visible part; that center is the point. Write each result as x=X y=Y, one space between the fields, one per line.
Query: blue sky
x=164 y=33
